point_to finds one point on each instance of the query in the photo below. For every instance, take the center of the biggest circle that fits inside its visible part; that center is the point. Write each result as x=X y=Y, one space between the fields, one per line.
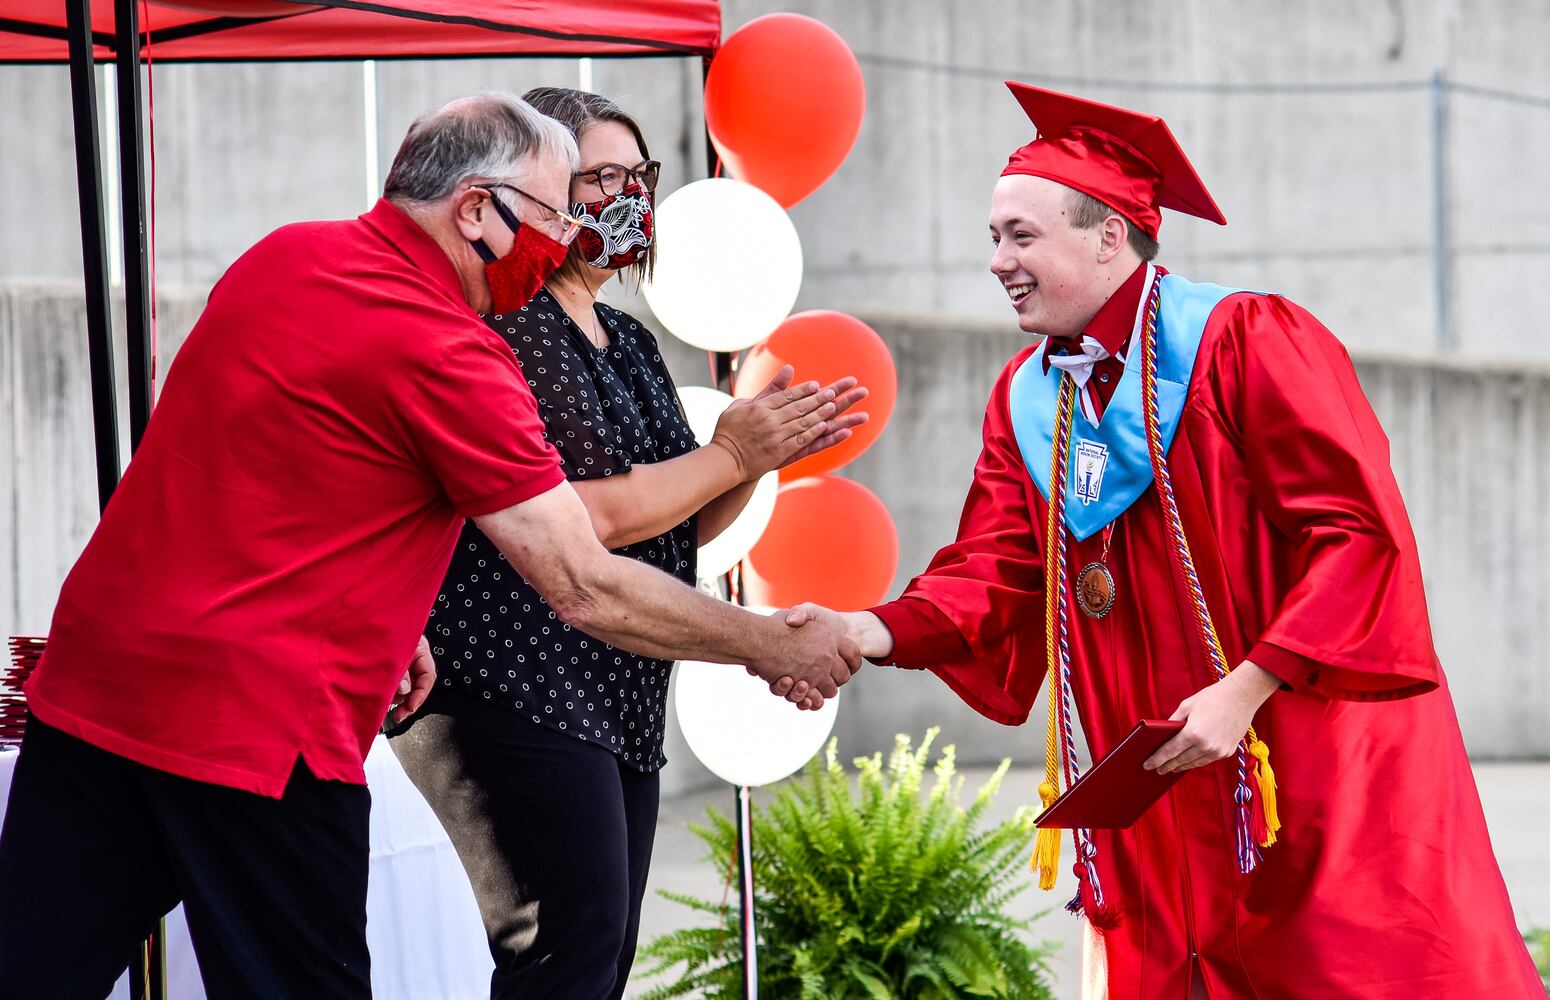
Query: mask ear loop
x=507 y=216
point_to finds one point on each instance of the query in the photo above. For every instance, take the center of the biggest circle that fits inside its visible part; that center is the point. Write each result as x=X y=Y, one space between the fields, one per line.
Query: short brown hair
x=579 y=110
x=1087 y=212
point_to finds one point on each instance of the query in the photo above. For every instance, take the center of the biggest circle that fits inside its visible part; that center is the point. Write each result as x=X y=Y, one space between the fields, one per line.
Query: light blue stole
x=1109 y=465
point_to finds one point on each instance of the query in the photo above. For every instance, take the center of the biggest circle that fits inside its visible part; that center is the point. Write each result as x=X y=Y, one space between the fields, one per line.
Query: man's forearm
x=550 y=541
x=642 y=609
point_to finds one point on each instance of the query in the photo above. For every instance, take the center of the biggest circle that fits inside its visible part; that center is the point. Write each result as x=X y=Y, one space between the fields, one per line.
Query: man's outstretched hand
x=807 y=663
x=862 y=629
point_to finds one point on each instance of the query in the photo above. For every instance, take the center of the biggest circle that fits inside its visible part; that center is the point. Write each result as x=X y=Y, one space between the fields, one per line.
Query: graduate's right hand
x=863 y=628
x=1215 y=719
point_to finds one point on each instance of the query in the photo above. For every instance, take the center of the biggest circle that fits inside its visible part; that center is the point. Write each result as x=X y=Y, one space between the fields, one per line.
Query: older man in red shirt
x=228 y=643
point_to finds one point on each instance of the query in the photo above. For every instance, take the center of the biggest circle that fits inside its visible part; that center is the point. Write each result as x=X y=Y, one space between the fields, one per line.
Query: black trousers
x=555 y=834
x=96 y=848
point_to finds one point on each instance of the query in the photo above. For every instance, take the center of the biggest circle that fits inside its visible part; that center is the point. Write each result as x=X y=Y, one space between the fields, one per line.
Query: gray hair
x=488 y=136
x=1086 y=212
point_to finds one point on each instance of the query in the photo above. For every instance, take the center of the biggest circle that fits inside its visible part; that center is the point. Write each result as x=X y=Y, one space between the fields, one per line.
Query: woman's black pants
x=555 y=834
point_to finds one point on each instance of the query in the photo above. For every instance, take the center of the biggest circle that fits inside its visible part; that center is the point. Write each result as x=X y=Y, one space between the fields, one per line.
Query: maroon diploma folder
x=1114 y=793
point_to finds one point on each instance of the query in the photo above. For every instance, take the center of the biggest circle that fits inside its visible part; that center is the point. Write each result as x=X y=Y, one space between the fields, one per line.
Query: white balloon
x=703 y=407
x=739 y=730
x=728 y=265
x=727 y=549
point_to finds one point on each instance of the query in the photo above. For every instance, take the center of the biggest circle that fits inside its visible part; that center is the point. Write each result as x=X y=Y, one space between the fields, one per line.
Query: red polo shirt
x=259 y=580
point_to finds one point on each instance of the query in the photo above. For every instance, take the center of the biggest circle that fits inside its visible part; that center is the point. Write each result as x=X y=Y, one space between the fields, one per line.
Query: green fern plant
x=867 y=892
x=1538 y=939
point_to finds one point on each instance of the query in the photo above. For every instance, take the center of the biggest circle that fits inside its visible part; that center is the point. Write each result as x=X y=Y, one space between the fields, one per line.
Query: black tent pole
x=88 y=174
x=148 y=970
x=131 y=173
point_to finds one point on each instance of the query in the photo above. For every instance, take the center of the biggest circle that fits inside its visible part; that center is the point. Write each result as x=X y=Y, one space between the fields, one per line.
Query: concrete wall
x=1329 y=189
x=1471 y=447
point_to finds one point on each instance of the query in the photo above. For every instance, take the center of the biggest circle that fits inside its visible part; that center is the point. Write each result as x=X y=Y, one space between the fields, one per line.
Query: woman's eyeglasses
x=568 y=224
x=613 y=178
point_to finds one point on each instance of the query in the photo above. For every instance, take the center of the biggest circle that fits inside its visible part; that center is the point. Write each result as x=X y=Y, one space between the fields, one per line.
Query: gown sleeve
x=1354 y=623
x=975 y=617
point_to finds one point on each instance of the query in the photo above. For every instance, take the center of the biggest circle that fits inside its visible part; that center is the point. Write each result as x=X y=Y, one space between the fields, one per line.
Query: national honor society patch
x=1092 y=457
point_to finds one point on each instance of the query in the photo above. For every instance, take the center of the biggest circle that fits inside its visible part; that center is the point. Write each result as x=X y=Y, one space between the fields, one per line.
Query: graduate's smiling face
x=1055 y=275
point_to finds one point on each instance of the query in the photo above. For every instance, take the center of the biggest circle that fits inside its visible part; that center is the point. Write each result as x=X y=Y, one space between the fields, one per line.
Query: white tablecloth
x=421 y=921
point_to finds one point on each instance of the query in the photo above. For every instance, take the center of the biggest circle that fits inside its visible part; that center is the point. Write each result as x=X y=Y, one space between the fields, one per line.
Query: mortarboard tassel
x=1266 y=820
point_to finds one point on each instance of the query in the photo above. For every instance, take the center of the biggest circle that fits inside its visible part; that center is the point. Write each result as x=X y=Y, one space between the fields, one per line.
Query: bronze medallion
x=1095 y=590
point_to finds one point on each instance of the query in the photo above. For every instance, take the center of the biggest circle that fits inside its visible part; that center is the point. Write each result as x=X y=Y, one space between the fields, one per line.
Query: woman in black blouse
x=540 y=748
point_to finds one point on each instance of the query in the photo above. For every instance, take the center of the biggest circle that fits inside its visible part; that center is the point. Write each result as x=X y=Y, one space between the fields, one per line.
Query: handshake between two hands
x=825 y=650
x=821 y=651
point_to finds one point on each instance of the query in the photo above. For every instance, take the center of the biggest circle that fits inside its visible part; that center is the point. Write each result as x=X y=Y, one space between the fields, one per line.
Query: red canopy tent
x=34 y=31
x=81 y=32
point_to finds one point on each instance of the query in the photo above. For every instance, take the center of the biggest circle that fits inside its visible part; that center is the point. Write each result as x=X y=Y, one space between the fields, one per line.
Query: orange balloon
x=831 y=541
x=783 y=104
x=824 y=345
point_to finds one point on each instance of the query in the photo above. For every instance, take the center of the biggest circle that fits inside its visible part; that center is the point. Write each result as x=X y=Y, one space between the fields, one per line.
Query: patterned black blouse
x=494 y=638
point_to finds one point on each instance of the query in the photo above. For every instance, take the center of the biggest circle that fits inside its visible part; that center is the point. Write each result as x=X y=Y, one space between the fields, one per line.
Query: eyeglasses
x=611 y=178
x=570 y=225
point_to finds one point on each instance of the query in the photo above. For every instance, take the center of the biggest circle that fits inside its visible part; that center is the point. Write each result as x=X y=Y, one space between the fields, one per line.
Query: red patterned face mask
x=617 y=231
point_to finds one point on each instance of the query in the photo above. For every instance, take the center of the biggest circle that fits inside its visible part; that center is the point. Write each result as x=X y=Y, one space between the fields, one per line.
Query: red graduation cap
x=1123 y=158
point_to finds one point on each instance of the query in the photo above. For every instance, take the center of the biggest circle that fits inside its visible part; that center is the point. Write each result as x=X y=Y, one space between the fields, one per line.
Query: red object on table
x=26 y=650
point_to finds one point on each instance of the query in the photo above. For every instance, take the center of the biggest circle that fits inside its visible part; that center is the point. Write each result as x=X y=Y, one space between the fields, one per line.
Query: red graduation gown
x=1383 y=884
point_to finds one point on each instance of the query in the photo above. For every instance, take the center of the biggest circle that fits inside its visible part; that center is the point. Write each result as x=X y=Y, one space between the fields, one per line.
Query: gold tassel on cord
x=1046 y=850
x=1266 y=780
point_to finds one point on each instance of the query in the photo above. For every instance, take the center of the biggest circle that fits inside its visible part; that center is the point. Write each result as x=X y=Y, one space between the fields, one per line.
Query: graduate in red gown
x=1230 y=549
